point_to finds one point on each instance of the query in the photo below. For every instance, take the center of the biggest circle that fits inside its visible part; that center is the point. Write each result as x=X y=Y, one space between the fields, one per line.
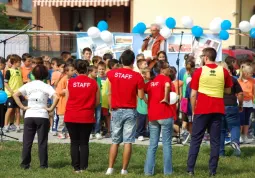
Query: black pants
x=2 y=114
x=212 y=122
x=79 y=135
x=141 y=125
x=31 y=126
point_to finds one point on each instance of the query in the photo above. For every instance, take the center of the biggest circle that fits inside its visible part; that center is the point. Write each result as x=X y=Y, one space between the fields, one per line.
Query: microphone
x=37 y=26
x=147 y=38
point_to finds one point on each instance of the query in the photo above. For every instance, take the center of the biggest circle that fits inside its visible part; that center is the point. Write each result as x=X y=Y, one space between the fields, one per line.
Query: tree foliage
x=5 y=22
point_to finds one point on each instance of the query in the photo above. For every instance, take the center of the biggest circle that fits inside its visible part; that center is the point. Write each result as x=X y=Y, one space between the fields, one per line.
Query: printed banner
x=124 y=41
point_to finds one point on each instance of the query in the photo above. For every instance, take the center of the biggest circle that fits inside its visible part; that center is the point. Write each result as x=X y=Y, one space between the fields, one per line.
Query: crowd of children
x=16 y=71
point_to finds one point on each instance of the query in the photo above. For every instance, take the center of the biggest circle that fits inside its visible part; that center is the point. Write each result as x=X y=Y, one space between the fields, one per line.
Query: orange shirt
x=55 y=77
x=248 y=89
x=176 y=86
x=62 y=84
x=25 y=71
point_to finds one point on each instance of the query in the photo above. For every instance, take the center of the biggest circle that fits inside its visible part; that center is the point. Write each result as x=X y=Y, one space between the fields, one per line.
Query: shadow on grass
x=59 y=164
x=247 y=152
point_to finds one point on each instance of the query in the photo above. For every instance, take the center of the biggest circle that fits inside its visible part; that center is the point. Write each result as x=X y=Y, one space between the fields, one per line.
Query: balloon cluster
x=217 y=26
x=252 y=24
x=101 y=31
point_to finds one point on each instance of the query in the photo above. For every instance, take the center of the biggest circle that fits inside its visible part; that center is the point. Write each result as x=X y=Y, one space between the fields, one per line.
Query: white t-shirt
x=38 y=94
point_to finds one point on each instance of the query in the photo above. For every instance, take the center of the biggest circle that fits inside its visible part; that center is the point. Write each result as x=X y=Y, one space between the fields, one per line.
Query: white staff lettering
x=81 y=85
x=121 y=75
x=154 y=84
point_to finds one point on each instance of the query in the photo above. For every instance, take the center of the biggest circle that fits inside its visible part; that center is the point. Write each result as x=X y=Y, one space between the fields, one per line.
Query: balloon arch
x=216 y=26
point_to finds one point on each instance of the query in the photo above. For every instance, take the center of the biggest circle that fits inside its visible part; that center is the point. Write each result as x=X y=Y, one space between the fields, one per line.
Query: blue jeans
x=123 y=126
x=55 y=122
x=166 y=126
x=231 y=122
x=97 y=125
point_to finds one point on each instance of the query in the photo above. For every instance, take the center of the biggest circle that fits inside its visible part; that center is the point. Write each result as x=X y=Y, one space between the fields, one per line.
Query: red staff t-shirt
x=156 y=93
x=80 y=107
x=124 y=85
x=206 y=104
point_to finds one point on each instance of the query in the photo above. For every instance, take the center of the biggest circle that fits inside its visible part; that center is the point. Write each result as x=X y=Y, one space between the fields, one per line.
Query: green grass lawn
x=59 y=162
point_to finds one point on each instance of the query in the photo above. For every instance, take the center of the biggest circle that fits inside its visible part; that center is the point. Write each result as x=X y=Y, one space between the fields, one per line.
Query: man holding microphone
x=154 y=43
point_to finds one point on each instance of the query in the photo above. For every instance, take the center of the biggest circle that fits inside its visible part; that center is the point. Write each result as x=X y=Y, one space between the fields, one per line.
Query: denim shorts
x=123 y=126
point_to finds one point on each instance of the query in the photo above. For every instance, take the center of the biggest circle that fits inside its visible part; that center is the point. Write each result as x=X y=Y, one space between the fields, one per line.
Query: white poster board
x=17 y=45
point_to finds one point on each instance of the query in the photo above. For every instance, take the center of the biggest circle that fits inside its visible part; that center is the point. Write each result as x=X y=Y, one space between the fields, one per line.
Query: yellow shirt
x=105 y=85
x=211 y=82
x=14 y=79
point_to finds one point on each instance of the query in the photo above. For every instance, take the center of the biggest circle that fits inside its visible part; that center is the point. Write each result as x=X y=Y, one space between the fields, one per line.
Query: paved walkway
x=55 y=139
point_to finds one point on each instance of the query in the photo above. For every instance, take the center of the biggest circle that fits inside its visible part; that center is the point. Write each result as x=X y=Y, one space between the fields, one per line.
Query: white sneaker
x=6 y=129
x=91 y=137
x=109 y=171
x=18 y=129
x=12 y=127
x=140 y=138
x=246 y=140
x=55 y=133
x=186 y=138
x=98 y=136
x=124 y=172
x=241 y=140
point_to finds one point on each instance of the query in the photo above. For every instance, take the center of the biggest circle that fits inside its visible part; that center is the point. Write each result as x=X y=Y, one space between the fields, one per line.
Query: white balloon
x=252 y=21
x=106 y=36
x=215 y=25
x=165 y=32
x=187 y=22
x=218 y=20
x=160 y=20
x=173 y=98
x=93 y=32
x=245 y=26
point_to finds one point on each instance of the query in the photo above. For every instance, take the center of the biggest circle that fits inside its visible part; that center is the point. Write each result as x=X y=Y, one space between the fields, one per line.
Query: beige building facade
x=201 y=11
x=123 y=15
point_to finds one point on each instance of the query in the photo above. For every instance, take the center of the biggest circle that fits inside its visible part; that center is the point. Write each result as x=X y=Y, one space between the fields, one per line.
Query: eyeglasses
x=201 y=56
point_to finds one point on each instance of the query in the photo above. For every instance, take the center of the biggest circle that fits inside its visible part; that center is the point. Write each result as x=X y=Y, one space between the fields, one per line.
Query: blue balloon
x=225 y=25
x=102 y=25
x=3 y=97
x=141 y=27
x=197 y=31
x=224 y=35
x=135 y=30
x=170 y=22
x=252 y=33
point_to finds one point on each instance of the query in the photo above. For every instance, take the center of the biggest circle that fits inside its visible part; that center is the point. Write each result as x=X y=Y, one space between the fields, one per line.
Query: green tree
x=5 y=23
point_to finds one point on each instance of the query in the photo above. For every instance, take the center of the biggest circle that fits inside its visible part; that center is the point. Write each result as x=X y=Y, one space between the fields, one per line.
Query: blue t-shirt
x=50 y=73
x=182 y=73
x=1 y=80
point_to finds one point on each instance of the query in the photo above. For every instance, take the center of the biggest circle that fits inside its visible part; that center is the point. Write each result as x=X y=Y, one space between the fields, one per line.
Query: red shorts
x=105 y=112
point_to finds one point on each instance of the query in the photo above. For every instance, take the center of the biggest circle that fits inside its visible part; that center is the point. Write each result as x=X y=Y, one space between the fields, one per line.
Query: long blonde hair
x=245 y=68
